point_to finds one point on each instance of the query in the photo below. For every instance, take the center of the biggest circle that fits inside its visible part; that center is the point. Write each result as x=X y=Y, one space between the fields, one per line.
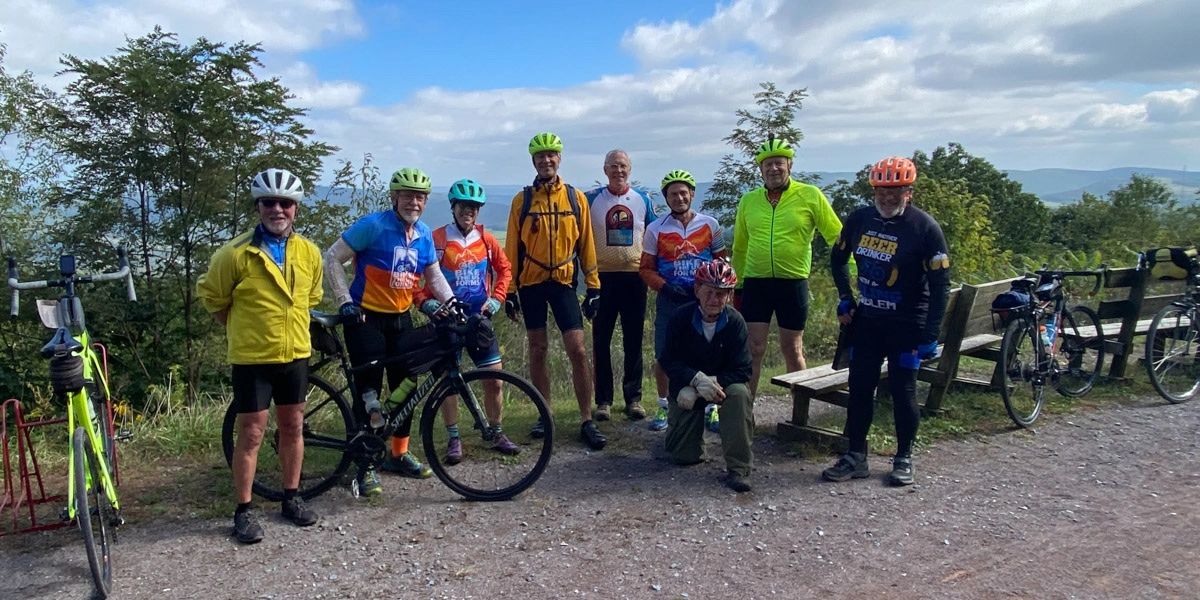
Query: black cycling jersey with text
x=899 y=261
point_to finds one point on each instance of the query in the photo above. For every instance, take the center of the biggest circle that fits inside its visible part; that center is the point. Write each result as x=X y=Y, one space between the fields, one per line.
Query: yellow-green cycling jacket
x=268 y=309
x=777 y=241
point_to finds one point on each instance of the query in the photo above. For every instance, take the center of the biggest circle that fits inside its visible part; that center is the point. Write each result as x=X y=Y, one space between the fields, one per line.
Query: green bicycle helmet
x=467 y=190
x=678 y=176
x=410 y=179
x=544 y=142
x=774 y=147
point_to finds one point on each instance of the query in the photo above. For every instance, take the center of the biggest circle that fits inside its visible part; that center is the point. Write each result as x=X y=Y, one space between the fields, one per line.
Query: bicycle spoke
x=489 y=471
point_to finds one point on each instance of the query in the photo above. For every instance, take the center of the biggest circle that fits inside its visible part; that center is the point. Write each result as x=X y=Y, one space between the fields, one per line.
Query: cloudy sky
x=458 y=88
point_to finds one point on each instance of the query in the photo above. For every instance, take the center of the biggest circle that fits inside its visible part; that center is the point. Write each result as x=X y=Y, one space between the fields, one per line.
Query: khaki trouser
x=685 y=432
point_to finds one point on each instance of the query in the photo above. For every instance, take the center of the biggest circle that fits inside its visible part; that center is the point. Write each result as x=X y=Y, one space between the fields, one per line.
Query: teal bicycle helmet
x=467 y=190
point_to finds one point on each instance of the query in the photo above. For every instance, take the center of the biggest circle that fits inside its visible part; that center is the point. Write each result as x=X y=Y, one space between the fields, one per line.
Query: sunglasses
x=284 y=203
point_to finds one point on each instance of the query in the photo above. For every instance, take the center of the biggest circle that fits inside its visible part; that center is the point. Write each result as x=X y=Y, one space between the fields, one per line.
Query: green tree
x=28 y=165
x=738 y=173
x=1020 y=219
x=165 y=137
x=974 y=254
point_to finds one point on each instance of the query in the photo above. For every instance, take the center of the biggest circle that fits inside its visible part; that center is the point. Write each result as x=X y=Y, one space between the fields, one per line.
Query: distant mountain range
x=1053 y=186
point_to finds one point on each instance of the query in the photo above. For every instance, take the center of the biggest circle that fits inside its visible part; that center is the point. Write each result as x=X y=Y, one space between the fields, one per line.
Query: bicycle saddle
x=61 y=343
x=325 y=319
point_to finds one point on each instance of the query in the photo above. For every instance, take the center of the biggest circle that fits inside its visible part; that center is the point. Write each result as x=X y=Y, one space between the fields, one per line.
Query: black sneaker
x=902 y=471
x=851 y=465
x=246 y=527
x=737 y=482
x=539 y=430
x=295 y=511
x=592 y=436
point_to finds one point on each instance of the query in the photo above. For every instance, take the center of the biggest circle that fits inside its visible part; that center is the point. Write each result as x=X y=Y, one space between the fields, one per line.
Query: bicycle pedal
x=117 y=521
x=65 y=514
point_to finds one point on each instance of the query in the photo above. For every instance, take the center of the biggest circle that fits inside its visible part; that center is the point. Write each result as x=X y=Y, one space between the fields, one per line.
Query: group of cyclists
x=711 y=314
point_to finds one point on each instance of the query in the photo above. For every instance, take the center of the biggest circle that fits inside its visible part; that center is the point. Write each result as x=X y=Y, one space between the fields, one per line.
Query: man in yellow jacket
x=772 y=254
x=550 y=246
x=260 y=286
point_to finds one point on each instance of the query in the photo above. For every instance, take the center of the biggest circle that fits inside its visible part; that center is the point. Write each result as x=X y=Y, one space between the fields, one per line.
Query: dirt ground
x=1099 y=504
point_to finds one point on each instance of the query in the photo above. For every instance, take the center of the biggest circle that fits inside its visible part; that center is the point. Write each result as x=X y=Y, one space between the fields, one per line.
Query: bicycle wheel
x=92 y=517
x=1022 y=388
x=485 y=473
x=1171 y=353
x=1080 y=351
x=328 y=425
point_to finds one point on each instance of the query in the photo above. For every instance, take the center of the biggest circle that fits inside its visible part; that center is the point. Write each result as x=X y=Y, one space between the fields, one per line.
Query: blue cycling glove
x=846 y=306
x=491 y=307
x=927 y=351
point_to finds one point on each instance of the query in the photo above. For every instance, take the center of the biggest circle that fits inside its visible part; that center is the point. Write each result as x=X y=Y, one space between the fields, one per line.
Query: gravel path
x=1099 y=504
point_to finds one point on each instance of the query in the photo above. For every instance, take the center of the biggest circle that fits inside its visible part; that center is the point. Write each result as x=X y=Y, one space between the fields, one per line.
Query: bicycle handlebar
x=124 y=272
x=1098 y=274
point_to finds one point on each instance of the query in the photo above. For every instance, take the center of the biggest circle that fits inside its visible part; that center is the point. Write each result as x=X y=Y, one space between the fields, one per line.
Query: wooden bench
x=966 y=330
x=1129 y=317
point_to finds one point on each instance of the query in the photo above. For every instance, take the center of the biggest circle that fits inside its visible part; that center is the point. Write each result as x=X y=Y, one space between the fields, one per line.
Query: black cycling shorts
x=787 y=299
x=559 y=298
x=254 y=386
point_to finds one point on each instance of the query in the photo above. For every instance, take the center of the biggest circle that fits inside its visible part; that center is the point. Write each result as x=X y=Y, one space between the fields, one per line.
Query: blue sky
x=458 y=88
x=477 y=45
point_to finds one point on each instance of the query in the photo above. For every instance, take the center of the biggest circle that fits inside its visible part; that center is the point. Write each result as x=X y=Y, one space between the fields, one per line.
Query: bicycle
x=333 y=440
x=77 y=372
x=1045 y=343
x=1171 y=341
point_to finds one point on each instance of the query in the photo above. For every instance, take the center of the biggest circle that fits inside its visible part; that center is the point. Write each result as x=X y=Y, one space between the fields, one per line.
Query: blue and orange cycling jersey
x=387 y=264
x=678 y=250
x=474 y=265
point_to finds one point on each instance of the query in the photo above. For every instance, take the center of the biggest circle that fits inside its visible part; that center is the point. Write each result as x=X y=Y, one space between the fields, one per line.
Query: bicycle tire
x=92 y=519
x=1079 y=357
x=1021 y=387
x=484 y=474
x=1171 y=347
x=328 y=426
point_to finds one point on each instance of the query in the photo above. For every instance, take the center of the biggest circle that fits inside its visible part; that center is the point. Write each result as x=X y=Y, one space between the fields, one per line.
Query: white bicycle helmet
x=277 y=183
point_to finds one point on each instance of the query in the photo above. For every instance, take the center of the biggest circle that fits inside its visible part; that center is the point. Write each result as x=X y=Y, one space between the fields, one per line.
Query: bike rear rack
x=24 y=490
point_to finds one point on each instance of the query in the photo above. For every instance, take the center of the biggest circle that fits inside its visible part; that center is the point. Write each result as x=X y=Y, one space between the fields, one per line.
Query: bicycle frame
x=83 y=410
x=444 y=377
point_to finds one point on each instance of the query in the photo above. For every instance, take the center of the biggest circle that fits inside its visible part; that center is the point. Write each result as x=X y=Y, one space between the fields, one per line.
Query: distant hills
x=1053 y=186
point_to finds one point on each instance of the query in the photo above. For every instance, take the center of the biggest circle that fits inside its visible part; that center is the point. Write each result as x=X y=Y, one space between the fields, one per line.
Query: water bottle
x=1048 y=331
x=371 y=404
x=401 y=392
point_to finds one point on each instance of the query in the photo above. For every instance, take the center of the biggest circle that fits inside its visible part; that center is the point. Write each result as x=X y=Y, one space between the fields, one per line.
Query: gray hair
x=618 y=151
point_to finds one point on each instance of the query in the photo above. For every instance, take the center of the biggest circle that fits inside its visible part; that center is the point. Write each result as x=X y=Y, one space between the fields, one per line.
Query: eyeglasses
x=284 y=203
x=468 y=205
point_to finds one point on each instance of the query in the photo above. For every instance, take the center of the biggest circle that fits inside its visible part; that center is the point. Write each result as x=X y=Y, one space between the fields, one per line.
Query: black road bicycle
x=333 y=441
x=1046 y=343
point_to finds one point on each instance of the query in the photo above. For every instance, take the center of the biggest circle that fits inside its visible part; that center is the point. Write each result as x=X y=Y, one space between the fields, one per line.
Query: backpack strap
x=526 y=208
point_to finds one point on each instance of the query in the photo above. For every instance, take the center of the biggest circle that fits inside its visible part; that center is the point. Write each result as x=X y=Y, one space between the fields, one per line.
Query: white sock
x=662 y=403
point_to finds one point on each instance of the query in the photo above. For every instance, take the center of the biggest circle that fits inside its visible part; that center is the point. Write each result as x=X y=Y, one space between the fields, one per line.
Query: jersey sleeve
x=587 y=245
x=839 y=257
x=740 y=242
x=361 y=234
x=937 y=274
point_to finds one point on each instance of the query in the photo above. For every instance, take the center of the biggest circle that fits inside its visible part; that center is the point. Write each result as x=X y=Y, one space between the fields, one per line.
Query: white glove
x=707 y=387
x=686 y=398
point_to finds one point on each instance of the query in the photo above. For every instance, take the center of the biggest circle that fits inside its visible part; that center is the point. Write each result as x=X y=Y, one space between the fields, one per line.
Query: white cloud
x=38 y=32
x=312 y=93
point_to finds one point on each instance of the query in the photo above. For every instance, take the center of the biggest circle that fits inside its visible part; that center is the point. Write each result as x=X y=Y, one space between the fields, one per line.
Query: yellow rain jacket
x=552 y=236
x=268 y=309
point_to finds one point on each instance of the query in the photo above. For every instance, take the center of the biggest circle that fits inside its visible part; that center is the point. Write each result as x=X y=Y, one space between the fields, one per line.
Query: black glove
x=676 y=293
x=591 y=303
x=353 y=313
x=512 y=306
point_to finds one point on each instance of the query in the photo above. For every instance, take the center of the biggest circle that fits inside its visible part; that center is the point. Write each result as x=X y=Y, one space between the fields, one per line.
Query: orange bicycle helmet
x=717 y=273
x=896 y=171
